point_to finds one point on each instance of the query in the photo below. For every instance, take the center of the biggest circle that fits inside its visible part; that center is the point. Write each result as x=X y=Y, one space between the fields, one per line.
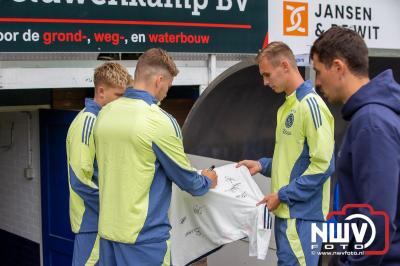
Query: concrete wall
x=20 y=210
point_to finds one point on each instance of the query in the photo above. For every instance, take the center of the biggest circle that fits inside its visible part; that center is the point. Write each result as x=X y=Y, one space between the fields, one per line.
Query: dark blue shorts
x=152 y=254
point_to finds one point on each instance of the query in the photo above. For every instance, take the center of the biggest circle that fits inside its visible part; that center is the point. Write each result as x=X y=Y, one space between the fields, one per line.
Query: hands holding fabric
x=272 y=200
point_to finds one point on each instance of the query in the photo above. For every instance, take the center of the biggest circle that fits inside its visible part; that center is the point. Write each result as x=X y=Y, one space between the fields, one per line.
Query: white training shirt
x=225 y=214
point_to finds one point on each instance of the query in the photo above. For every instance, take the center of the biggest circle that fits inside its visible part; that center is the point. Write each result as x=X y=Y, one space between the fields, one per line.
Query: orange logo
x=295 y=18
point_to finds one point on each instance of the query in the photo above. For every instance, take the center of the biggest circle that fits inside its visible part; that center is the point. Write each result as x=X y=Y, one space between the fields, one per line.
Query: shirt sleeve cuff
x=282 y=194
x=265 y=166
x=209 y=182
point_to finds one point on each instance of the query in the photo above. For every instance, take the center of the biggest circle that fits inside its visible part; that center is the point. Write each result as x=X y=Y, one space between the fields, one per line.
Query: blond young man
x=110 y=80
x=137 y=165
x=303 y=159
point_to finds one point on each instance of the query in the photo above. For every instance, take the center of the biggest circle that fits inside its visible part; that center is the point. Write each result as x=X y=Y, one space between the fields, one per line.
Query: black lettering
x=376 y=28
x=368 y=13
x=349 y=11
x=319 y=30
x=319 y=11
x=358 y=13
x=339 y=12
x=328 y=11
x=360 y=30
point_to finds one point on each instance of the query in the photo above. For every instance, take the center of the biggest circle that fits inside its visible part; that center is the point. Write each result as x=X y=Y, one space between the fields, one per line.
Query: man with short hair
x=368 y=163
x=303 y=159
x=140 y=153
x=110 y=82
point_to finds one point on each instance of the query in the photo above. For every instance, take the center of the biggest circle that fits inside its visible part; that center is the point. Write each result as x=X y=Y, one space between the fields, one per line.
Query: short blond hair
x=155 y=59
x=275 y=51
x=111 y=74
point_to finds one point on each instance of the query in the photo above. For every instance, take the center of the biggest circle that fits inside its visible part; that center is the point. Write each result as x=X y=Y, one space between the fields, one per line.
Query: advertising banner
x=220 y=26
x=299 y=22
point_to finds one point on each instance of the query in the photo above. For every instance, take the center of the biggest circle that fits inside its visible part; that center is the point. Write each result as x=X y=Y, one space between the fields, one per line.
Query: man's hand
x=272 y=201
x=212 y=175
x=253 y=166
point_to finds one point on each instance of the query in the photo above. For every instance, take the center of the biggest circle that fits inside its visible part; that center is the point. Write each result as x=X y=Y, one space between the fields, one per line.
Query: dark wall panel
x=379 y=64
x=18 y=251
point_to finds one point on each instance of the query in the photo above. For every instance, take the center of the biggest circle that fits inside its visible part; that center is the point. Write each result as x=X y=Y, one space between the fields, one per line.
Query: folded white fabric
x=225 y=214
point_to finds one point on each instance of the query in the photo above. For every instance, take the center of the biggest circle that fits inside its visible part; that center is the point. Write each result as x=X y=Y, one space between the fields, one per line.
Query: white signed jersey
x=225 y=214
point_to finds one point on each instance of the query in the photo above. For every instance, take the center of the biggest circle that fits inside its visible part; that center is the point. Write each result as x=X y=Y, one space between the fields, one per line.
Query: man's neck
x=294 y=83
x=143 y=87
x=97 y=100
x=354 y=84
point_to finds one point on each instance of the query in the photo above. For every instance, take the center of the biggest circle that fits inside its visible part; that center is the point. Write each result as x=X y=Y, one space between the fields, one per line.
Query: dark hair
x=346 y=44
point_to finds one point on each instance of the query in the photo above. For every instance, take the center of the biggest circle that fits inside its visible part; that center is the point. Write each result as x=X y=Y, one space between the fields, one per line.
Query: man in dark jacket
x=368 y=162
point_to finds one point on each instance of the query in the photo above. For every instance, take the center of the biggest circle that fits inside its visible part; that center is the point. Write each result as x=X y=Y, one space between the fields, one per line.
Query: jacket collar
x=91 y=106
x=140 y=94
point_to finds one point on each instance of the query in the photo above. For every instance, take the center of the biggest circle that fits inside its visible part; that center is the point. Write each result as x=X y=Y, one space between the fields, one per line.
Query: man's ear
x=100 y=91
x=285 y=65
x=158 y=80
x=339 y=66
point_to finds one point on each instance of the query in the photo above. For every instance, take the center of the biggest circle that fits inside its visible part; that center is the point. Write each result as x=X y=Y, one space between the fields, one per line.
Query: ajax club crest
x=289 y=121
